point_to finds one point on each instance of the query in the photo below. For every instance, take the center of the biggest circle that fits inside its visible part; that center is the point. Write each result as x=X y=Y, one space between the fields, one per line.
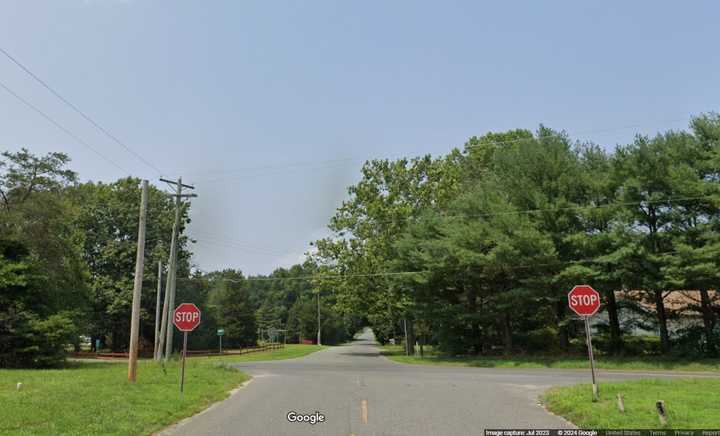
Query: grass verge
x=90 y=398
x=690 y=403
x=290 y=351
x=654 y=363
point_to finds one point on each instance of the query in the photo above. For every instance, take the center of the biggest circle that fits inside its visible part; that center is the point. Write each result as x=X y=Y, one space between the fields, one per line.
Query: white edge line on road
x=172 y=427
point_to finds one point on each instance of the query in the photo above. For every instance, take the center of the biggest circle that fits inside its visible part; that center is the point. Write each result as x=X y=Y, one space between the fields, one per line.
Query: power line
x=308 y=277
x=219 y=240
x=597 y=206
x=213 y=242
x=238 y=171
x=558 y=209
x=276 y=170
x=241 y=248
x=222 y=239
x=400 y=273
x=78 y=111
x=156 y=169
x=64 y=129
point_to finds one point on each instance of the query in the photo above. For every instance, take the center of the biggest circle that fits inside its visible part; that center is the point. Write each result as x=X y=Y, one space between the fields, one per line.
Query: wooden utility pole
x=167 y=335
x=137 y=286
x=407 y=345
x=163 y=321
x=166 y=330
x=318 y=310
x=156 y=332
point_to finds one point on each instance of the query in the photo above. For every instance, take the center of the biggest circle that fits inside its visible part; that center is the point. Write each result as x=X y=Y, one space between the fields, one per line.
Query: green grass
x=651 y=363
x=89 y=398
x=691 y=403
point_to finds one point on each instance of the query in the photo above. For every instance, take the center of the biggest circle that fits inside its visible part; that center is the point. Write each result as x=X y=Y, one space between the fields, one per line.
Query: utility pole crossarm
x=174 y=182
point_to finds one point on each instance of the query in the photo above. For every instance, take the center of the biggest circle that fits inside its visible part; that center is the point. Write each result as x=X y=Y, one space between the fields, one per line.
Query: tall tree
x=599 y=246
x=479 y=261
x=365 y=227
x=108 y=221
x=23 y=174
x=654 y=194
x=42 y=275
x=541 y=176
x=693 y=262
x=230 y=301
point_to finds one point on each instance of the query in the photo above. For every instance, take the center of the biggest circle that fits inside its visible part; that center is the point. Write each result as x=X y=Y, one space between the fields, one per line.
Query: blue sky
x=271 y=107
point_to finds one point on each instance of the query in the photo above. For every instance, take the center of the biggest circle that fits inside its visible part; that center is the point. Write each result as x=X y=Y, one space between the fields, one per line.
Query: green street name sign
x=221 y=332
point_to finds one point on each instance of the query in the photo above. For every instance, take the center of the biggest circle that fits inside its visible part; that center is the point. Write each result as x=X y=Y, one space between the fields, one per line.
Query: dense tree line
x=67 y=257
x=281 y=306
x=476 y=251
x=473 y=252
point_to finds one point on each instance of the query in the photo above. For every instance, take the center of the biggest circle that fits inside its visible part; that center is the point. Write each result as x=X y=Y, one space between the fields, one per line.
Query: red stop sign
x=584 y=300
x=186 y=317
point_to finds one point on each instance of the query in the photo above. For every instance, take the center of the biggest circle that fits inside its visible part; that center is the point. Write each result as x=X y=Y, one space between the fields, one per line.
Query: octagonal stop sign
x=584 y=300
x=186 y=317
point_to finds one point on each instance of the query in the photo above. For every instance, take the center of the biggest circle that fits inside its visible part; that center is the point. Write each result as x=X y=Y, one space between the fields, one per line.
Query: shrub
x=543 y=339
x=690 y=342
x=37 y=343
x=641 y=345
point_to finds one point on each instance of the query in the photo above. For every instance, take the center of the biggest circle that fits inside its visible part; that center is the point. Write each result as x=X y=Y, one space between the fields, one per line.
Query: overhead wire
x=219 y=175
x=292 y=165
x=246 y=249
x=229 y=243
x=445 y=216
x=557 y=209
x=274 y=171
x=236 y=173
x=321 y=276
x=63 y=128
x=116 y=140
x=78 y=111
x=224 y=238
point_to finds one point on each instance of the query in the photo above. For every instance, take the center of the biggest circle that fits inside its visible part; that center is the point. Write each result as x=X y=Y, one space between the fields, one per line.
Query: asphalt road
x=363 y=393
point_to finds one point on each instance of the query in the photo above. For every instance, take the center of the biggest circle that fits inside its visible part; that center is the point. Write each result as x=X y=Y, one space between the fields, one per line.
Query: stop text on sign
x=584 y=300
x=186 y=317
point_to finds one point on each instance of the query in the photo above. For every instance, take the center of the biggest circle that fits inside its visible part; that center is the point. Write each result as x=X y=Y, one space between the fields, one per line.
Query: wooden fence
x=190 y=353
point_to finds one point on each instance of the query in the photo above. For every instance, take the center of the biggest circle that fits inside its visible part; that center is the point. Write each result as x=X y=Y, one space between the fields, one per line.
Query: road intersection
x=359 y=392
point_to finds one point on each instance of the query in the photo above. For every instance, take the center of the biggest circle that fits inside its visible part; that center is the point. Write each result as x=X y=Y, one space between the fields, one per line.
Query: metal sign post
x=221 y=333
x=585 y=301
x=182 y=367
x=186 y=318
x=588 y=339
